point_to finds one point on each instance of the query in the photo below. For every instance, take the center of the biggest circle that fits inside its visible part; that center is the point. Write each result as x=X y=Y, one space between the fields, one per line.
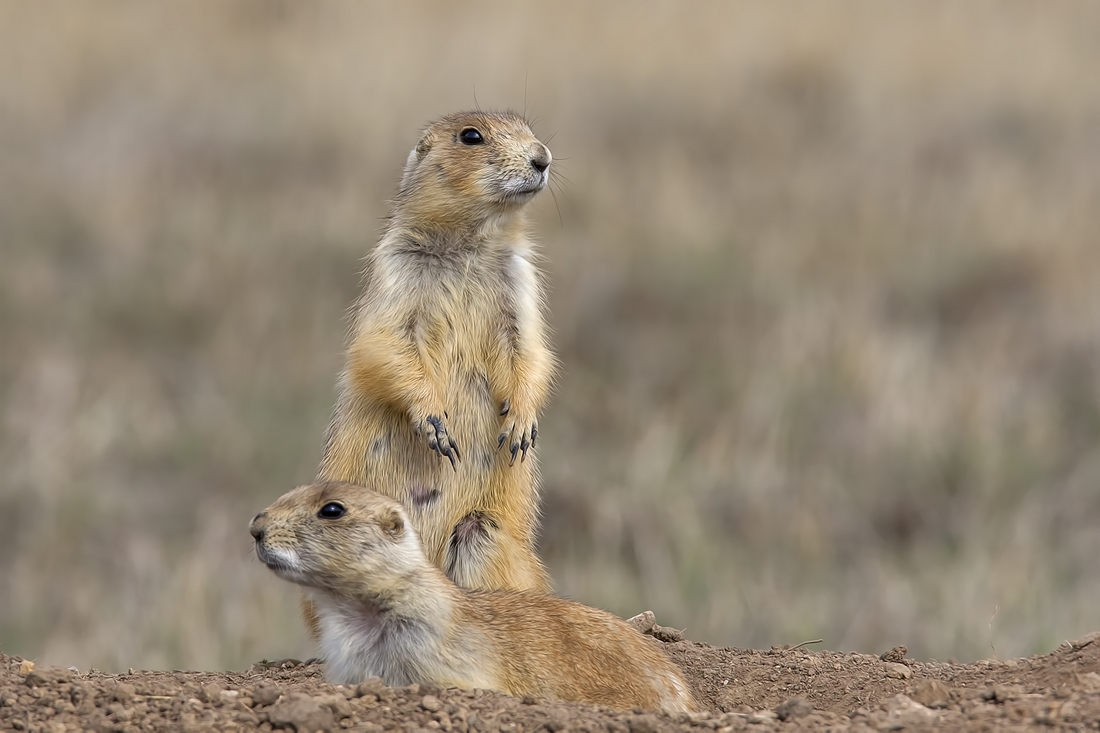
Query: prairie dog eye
x=471 y=136
x=332 y=510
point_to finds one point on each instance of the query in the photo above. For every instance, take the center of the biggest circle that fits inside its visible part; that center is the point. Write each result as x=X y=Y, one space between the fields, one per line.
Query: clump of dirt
x=780 y=689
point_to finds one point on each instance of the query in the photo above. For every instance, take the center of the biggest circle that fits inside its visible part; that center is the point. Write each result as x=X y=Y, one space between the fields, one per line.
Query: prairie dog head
x=471 y=165
x=337 y=537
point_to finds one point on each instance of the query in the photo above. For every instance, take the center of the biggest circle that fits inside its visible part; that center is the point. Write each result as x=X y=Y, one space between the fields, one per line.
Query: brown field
x=825 y=285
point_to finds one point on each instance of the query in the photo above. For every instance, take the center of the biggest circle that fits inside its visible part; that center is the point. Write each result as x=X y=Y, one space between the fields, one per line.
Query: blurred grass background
x=825 y=284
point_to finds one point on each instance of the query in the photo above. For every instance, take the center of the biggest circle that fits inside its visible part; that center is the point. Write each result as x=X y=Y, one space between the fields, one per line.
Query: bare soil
x=780 y=689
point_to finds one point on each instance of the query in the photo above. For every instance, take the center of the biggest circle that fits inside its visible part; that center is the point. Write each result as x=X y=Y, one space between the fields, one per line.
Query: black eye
x=470 y=136
x=332 y=510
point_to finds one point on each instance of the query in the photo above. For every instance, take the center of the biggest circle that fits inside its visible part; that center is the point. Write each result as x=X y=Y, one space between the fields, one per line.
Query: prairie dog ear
x=392 y=523
x=415 y=156
x=422 y=148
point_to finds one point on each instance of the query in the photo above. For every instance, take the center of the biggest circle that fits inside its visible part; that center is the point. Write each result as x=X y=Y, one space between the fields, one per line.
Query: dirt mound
x=740 y=689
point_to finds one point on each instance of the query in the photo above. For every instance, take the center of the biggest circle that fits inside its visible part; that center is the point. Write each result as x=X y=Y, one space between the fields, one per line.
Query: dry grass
x=825 y=287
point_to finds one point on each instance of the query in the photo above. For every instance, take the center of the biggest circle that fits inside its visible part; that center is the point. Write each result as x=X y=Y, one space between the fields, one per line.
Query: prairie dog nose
x=255 y=527
x=540 y=157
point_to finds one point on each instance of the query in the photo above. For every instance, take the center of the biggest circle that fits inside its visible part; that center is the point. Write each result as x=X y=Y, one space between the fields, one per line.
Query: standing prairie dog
x=384 y=610
x=447 y=362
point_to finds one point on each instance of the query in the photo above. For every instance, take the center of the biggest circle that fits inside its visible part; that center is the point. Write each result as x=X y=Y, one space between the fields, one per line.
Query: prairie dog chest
x=476 y=305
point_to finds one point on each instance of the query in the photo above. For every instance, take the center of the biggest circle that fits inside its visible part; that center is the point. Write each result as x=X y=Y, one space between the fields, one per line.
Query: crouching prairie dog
x=447 y=364
x=384 y=610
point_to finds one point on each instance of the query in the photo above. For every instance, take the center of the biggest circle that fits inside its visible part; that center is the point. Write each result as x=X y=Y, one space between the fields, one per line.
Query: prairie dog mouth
x=278 y=559
x=525 y=189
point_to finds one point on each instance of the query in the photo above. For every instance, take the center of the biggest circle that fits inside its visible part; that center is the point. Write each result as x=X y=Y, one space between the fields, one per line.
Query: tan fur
x=384 y=610
x=449 y=348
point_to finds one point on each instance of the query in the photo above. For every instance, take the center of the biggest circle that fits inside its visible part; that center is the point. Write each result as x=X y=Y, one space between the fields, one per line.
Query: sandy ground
x=779 y=689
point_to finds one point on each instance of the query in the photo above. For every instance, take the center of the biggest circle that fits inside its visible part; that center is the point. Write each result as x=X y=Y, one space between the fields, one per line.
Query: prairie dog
x=384 y=610
x=447 y=362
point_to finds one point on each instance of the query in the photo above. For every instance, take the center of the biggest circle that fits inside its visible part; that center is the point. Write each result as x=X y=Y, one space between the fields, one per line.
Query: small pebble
x=266 y=694
x=643 y=622
x=302 y=713
x=372 y=686
x=898 y=671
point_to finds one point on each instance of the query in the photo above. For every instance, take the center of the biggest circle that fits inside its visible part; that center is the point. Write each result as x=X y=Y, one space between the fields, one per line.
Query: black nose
x=254 y=529
x=540 y=163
